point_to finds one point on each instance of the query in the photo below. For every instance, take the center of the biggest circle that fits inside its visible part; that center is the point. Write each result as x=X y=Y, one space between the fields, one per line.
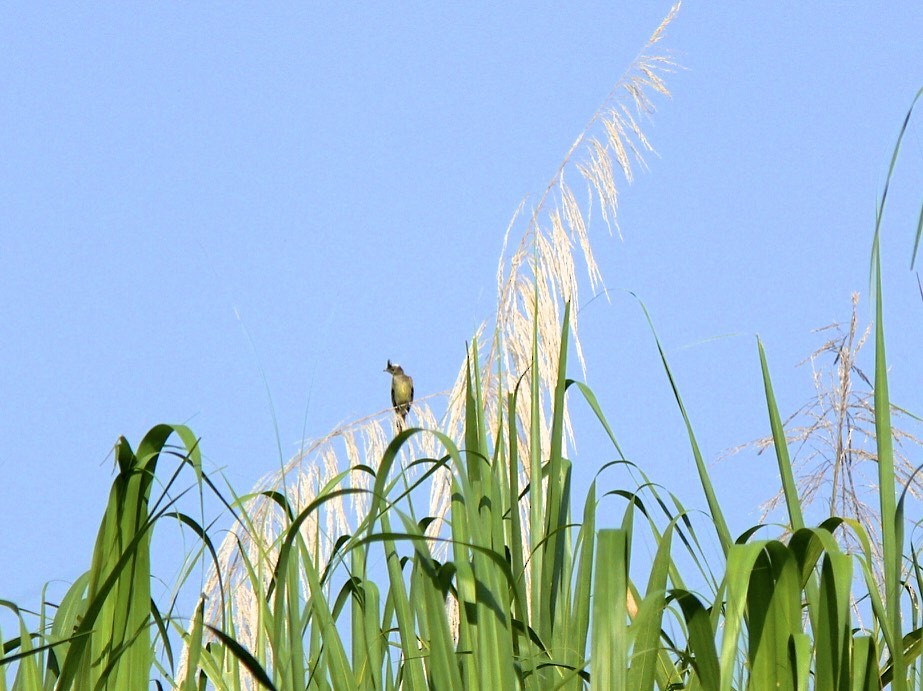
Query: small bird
x=401 y=392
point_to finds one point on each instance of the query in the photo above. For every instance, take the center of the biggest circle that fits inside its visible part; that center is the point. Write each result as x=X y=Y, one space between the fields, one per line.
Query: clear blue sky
x=341 y=177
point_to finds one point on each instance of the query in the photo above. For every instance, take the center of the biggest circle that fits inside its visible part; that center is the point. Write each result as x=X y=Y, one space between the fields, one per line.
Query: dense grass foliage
x=517 y=592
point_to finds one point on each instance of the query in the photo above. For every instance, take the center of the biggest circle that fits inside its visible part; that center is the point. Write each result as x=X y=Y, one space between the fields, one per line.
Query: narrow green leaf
x=740 y=561
x=890 y=525
x=647 y=624
x=412 y=666
x=514 y=532
x=865 y=665
x=701 y=637
x=540 y=617
x=194 y=647
x=884 y=195
x=833 y=634
x=800 y=661
x=609 y=657
x=714 y=507
x=245 y=657
x=578 y=629
x=789 y=488
x=556 y=503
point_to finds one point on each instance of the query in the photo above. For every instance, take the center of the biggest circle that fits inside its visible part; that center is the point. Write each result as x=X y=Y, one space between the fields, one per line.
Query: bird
x=401 y=392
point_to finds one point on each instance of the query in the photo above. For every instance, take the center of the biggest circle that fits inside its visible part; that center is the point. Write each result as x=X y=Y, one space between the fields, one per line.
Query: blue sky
x=200 y=203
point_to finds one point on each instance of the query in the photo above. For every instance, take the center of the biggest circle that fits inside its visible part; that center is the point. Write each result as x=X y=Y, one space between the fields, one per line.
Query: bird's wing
x=411 y=391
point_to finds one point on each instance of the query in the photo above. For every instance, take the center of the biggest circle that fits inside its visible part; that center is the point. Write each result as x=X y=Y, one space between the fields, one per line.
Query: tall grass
x=385 y=612
x=334 y=576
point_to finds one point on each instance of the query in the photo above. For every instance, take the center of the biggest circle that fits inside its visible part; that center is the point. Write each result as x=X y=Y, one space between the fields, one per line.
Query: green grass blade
x=554 y=566
x=118 y=614
x=412 y=663
x=514 y=525
x=245 y=658
x=740 y=563
x=884 y=195
x=647 y=624
x=539 y=616
x=864 y=665
x=833 y=636
x=28 y=676
x=890 y=528
x=195 y=649
x=609 y=656
x=789 y=488
x=701 y=638
x=578 y=628
x=800 y=659
x=773 y=614
x=714 y=507
x=430 y=607
x=590 y=398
